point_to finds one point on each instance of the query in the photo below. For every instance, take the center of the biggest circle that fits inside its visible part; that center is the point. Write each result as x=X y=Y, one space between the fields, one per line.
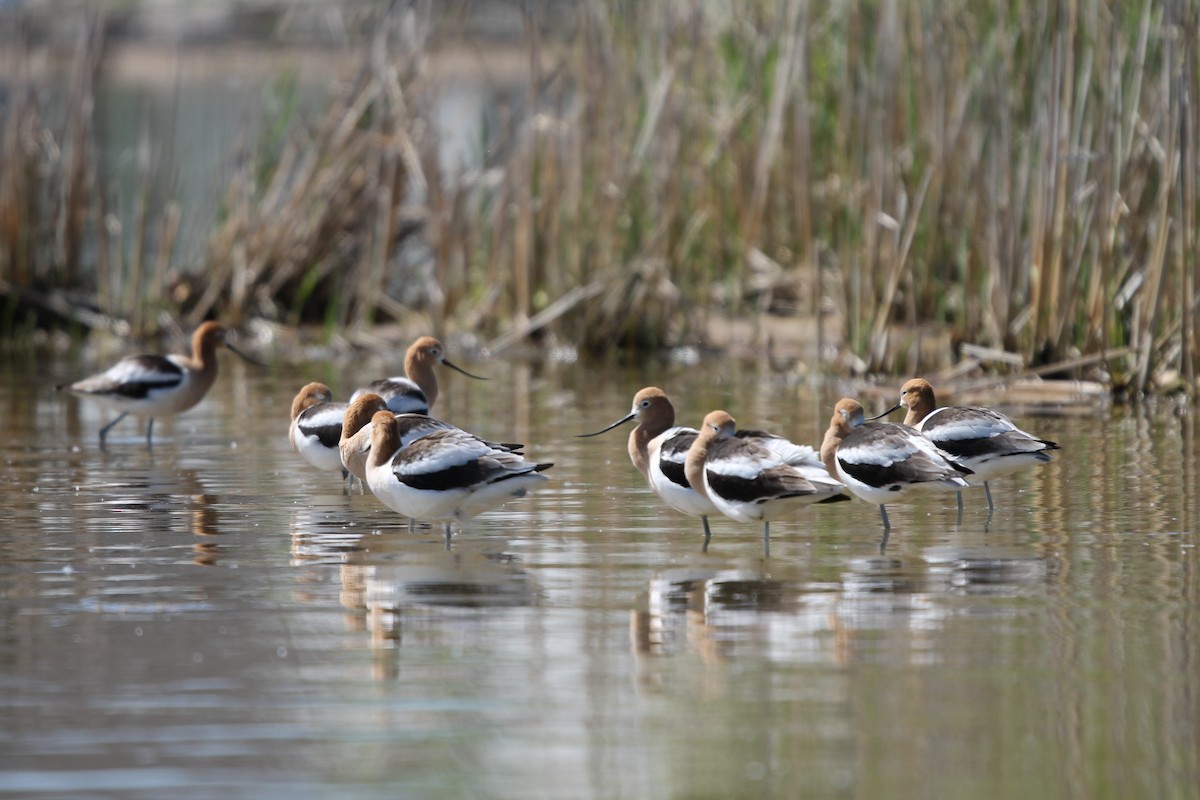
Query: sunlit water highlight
x=213 y=617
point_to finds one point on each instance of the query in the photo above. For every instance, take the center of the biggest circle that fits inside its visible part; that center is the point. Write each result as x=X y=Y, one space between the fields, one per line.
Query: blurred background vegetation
x=887 y=186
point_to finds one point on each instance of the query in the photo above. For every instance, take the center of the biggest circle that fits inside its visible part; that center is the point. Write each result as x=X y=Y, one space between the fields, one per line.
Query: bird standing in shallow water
x=981 y=439
x=354 y=448
x=880 y=461
x=416 y=391
x=658 y=447
x=316 y=427
x=156 y=385
x=355 y=444
x=748 y=481
x=444 y=476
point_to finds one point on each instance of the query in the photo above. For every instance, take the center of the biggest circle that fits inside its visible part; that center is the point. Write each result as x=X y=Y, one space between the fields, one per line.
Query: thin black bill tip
x=891 y=410
x=463 y=371
x=245 y=357
x=618 y=423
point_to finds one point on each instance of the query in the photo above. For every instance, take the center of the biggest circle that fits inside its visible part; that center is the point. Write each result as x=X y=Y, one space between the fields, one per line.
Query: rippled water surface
x=213 y=618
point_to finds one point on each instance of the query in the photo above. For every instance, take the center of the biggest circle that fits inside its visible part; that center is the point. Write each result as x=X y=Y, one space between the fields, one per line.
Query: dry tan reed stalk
x=1188 y=252
x=908 y=230
x=1151 y=296
x=135 y=284
x=772 y=132
x=80 y=155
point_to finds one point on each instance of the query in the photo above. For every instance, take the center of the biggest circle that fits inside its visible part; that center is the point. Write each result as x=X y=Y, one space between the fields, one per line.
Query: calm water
x=213 y=618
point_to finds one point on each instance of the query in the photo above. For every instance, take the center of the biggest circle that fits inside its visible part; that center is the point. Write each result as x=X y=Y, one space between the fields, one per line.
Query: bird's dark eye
x=645 y=404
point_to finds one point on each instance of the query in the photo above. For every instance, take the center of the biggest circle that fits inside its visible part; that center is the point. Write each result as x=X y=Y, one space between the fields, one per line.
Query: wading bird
x=445 y=476
x=880 y=461
x=157 y=385
x=749 y=482
x=983 y=440
x=416 y=391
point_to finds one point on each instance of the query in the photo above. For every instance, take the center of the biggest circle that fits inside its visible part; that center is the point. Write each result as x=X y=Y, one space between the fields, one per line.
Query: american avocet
x=316 y=427
x=416 y=391
x=155 y=385
x=978 y=438
x=444 y=476
x=657 y=448
x=355 y=444
x=748 y=481
x=880 y=461
x=354 y=448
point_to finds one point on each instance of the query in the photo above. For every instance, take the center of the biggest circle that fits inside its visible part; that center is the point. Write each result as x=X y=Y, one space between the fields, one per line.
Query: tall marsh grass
x=1019 y=176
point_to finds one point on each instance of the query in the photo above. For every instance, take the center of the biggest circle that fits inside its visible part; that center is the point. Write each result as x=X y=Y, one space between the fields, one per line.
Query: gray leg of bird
x=447 y=535
x=988 y=491
x=887 y=525
x=707 y=533
x=883 y=542
x=150 y=433
x=104 y=431
x=766 y=540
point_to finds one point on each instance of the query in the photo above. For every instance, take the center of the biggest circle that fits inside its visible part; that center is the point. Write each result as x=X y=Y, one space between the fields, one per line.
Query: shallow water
x=213 y=617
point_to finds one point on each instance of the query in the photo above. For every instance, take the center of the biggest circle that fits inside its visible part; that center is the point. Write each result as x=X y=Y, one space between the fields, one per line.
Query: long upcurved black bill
x=621 y=421
x=463 y=371
x=896 y=407
x=244 y=357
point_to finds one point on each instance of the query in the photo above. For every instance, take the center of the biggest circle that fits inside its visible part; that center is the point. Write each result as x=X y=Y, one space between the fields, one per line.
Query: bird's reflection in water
x=709 y=611
x=878 y=606
x=203 y=514
x=399 y=586
x=989 y=570
x=142 y=497
x=324 y=531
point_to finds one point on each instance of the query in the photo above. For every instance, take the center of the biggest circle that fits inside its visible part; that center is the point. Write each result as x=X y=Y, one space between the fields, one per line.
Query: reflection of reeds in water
x=1017 y=177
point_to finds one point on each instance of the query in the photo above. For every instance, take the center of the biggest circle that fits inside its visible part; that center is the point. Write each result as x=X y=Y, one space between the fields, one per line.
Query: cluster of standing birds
x=415 y=464
x=426 y=469
x=755 y=476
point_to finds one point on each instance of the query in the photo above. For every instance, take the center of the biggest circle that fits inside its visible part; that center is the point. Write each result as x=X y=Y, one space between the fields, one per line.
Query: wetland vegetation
x=885 y=181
